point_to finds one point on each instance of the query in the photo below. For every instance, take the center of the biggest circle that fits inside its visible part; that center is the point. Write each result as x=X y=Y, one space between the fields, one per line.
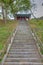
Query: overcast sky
x=39 y=8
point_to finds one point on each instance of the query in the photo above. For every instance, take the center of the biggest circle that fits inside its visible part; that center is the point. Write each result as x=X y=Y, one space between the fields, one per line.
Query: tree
x=14 y=6
x=25 y=5
x=34 y=6
x=5 y=4
x=20 y=5
x=2 y=5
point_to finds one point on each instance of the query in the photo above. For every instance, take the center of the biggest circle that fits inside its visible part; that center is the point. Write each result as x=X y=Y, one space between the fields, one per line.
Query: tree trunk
x=33 y=15
x=6 y=15
x=3 y=13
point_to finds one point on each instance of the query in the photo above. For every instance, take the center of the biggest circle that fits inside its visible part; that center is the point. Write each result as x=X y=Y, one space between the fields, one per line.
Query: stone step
x=30 y=54
x=23 y=60
x=23 y=50
x=23 y=47
x=24 y=41
x=23 y=35
x=22 y=38
x=20 y=43
x=22 y=31
x=23 y=63
x=19 y=38
x=27 y=40
x=22 y=56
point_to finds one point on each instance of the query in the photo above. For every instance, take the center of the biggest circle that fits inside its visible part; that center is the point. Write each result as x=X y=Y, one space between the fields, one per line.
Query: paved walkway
x=23 y=50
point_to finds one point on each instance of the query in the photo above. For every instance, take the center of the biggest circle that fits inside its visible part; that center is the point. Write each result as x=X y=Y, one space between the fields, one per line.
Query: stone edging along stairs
x=23 y=50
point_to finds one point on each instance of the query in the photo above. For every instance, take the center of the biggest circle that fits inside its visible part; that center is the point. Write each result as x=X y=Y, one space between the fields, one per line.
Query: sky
x=38 y=11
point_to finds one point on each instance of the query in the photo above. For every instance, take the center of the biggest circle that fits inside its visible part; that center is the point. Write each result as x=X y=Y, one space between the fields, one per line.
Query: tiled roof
x=23 y=15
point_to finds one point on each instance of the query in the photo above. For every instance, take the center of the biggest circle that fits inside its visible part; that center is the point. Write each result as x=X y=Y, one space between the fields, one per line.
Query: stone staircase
x=23 y=50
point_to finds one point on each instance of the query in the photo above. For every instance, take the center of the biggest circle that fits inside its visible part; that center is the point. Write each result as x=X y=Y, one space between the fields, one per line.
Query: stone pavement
x=23 y=50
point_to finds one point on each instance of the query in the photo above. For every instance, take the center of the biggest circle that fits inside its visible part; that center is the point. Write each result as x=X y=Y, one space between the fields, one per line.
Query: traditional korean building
x=23 y=16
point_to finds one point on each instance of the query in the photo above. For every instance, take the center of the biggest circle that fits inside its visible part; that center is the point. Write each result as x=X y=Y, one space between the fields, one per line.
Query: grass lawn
x=37 y=26
x=5 y=31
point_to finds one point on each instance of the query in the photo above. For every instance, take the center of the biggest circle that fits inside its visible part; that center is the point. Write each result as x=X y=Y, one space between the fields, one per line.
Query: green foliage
x=38 y=27
x=25 y=4
x=5 y=31
x=20 y=5
x=5 y=4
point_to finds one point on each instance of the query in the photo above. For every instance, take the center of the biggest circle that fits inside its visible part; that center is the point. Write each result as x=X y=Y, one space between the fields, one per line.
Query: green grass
x=37 y=26
x=5 y=31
